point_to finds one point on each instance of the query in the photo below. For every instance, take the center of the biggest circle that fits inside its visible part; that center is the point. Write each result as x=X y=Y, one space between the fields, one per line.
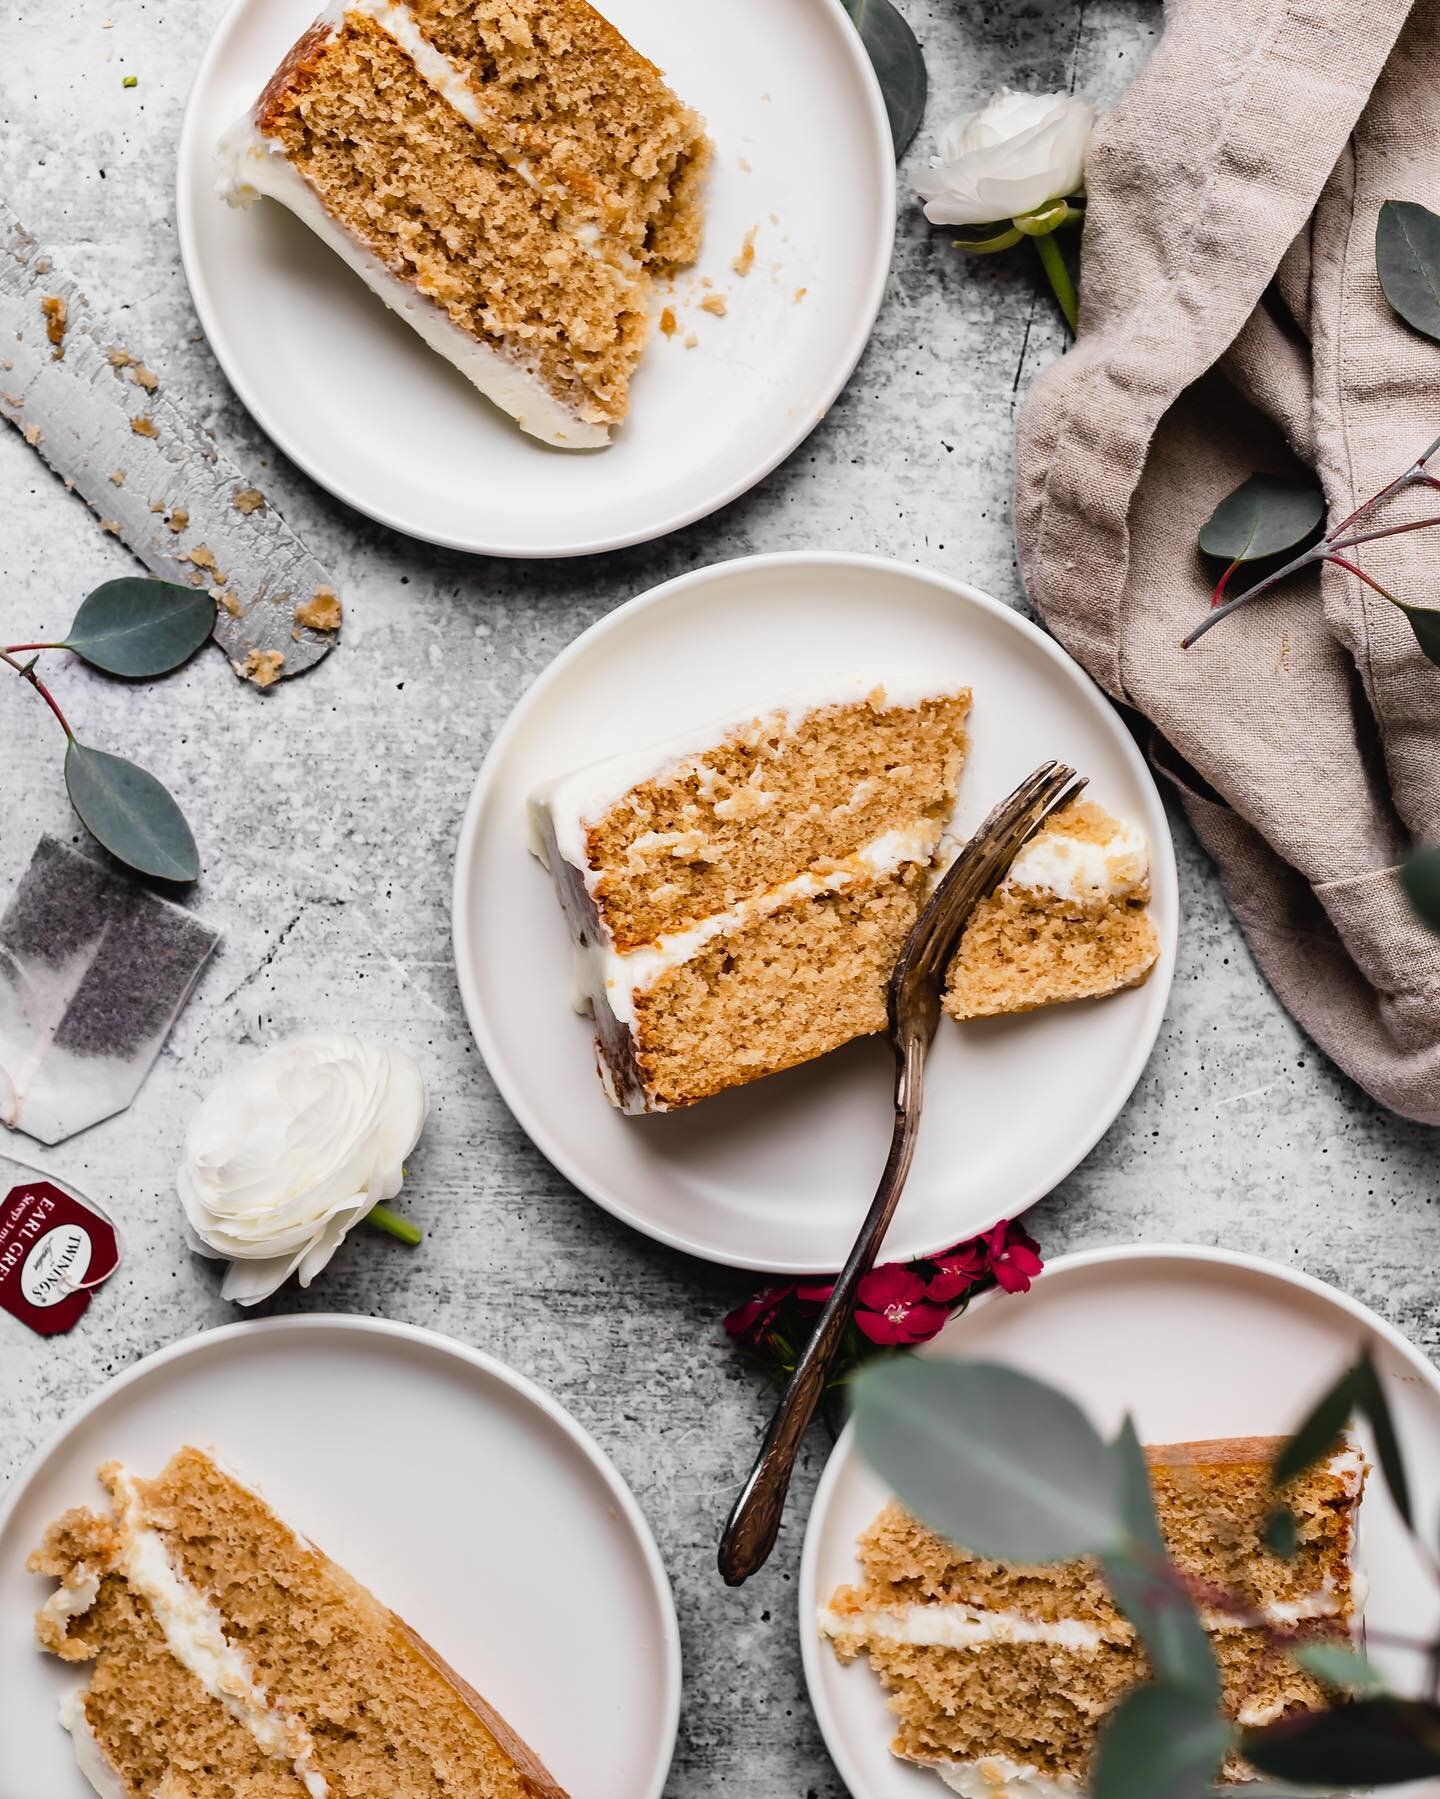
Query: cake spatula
x=913 y=1002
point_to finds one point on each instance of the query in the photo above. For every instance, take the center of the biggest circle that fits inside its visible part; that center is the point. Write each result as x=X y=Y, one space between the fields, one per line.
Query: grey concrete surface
x=330 y=812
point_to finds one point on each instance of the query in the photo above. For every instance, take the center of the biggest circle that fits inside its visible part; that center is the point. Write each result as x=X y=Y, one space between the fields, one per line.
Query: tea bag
x=94 y=969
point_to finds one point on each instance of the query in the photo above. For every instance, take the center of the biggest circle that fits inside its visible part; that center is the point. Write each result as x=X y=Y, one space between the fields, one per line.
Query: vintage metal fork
x=914 y=1006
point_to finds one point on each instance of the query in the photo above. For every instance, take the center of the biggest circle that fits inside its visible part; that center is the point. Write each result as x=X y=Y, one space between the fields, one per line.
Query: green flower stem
x=27 y=673
x=385 y=1220
x=1058 y=275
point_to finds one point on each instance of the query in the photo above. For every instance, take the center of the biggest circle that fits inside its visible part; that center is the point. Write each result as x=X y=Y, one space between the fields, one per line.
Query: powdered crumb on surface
x=157 y=506
x=742 y=263
x=118 y=358
x=7 y=362
x=800 y=293
x=261 y=666
x=117 y=477
x=57 y=317
x=248 y=500
x=715 y=304
x=143 y=377
x=745 y=164
x=143 y=425
x=202 y=556
x=32 y=435
x=691 y=341
x=178 y=520
x=322 y=611
x=668 y=324
x=10 y=397
x=112 y=525
x=226 y=597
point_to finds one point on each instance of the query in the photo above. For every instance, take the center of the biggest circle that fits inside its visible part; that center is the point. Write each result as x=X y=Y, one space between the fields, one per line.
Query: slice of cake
x=1067 y=922
x=738 y=897
x=1000 y=1677
x=228 y=1656
x=509 y=175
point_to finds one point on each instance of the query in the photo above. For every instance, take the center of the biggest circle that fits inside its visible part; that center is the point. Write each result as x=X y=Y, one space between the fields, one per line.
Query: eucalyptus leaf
x=1372 y=1742
x=1421 y=875
x=129 y=812
x=1407 y=258
x=1144 y=1585
x=1263 y=516
x=1319 y=1433
x=1281 y=1533
x=136 y=628
x=1338 y=1666
x=995 y=1461
x=1425 y=623
x=898 y=62
x=1160 y=1743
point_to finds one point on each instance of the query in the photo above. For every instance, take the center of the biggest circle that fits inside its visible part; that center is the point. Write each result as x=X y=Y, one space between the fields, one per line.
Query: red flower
x=814 y=1293
x=893 y=1306
x=747 y=1322
x=958 y=1269
x=1014 y=1256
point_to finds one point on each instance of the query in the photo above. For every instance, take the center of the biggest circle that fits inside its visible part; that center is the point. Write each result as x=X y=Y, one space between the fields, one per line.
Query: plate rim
x=1073 y=1261
x=462 y=946
x=273 y=427
x=521 y=1384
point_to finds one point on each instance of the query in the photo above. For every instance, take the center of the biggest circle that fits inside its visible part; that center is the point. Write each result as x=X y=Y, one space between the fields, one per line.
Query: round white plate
x=433 y=1473
x=777 y=1175
x=1194 y=1343
x=802 y=155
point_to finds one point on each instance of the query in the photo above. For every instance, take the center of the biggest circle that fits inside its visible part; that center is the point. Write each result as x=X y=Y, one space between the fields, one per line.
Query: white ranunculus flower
x=1015 y=154
x=293 y=1147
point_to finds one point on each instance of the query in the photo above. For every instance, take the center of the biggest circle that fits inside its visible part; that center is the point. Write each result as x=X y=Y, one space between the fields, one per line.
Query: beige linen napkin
x=1231 y=320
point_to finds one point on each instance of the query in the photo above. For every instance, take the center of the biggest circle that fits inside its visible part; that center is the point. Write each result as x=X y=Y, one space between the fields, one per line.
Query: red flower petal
x=749 y=1319
x=814 y=1293
x=890 y=1285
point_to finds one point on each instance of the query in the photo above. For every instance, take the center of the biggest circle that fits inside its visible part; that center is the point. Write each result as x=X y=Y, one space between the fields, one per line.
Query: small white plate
x=1194 y=1343
x=434 y=1474
x=777 y=1175
x=803 y=156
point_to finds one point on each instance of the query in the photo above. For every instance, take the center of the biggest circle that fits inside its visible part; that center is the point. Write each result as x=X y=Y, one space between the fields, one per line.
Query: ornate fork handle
x=754 y=1522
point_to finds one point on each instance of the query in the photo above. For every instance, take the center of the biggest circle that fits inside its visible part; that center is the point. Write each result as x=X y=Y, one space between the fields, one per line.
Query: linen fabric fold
x=1232 y=321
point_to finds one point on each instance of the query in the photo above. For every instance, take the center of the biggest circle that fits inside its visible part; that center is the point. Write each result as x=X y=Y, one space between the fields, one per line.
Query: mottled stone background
x=329 y=832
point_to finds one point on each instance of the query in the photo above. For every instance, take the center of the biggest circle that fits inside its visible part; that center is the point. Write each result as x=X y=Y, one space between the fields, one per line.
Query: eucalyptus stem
x=395 y=1225
x=27 y=673
x=1058 y=275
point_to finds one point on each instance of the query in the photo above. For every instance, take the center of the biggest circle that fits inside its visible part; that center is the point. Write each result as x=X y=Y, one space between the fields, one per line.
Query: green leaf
x=1281 y=1534
x=995 y=1461
x=1160 y=1743
x=1372 y=1742
x=1145 y=1587
x=898 y=62
x=130 y=814
x=1263 y=516
x=1338 y=1666
x=135 y=627
x=1358 y=1389
x=1420 y=874
x=1407 y=257
x=1425 y=623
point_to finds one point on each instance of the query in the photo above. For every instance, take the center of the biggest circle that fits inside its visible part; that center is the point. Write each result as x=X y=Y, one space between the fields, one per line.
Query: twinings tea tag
x=55 y=1249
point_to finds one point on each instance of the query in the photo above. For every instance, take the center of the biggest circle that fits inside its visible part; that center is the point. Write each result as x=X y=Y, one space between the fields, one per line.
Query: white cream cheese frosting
x=194 y=1633
x=1072 y=868
x=90 y=1758
x=997 y=1777
x=956 y=1626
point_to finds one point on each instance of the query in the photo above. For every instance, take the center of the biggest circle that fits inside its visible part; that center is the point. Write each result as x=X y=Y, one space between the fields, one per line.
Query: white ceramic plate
x=407 y=1457
x=803 y=155
x=1195 y=1343
x=777 y=1175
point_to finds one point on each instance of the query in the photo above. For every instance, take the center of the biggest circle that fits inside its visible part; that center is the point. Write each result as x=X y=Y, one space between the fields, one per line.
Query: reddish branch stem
x=28 y=674
x=1360 y=575
x=16 y=648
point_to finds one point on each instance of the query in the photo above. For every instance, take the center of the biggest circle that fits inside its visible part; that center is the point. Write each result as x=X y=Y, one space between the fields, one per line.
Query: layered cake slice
x=1069 y=921
x=1000 y=1678
x=230 y=1659
x=738 y=897
x=509 y=175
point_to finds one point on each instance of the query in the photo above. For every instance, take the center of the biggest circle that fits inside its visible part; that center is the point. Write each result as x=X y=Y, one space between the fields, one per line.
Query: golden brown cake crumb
x=118 y=358
x=714 y=303
x=743 y=263
x=668 y=323
x=800 y=293
x=32 y=435
x=178 y=520
x=143 y=425
x=321 y=612
x=57 y=316
x=690 y=340
x=262 y=667
x=142 y=377
x=248 y=500
x=117 y=477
